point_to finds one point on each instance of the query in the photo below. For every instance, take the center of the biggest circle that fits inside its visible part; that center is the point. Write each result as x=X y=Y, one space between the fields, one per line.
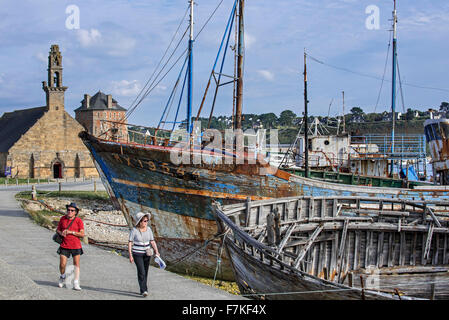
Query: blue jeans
x=142 y=262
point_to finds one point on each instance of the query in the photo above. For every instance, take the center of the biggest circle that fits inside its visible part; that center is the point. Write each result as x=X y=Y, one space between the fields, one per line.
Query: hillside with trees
x=357 y=122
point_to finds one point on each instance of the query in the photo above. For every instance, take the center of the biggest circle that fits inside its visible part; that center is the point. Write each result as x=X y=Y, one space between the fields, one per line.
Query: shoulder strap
x=71 y=222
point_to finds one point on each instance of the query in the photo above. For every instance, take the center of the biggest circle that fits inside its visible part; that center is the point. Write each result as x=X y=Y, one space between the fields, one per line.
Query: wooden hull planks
x=338 y=248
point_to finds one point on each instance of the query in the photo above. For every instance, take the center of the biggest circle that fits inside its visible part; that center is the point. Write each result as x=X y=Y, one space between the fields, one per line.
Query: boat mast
x=393 y=89
x=240 y=52
x=344 y=119
x=189 y=77
x=306 y=122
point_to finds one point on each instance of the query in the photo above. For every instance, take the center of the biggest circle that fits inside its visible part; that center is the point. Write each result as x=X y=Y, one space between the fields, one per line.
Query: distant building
x=357 y=118
x=43 y=142
x=388 y=116
x=102 y=116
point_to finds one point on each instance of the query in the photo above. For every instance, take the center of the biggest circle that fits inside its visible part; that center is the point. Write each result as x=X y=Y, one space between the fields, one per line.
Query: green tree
x=286 y=118
x=357 y=111
x=269 y=120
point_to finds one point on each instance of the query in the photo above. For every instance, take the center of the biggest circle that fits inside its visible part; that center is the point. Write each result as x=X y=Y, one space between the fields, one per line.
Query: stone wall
x=52 y=140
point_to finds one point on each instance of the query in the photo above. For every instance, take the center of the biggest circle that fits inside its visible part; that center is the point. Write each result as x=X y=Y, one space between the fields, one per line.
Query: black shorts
x=68 y=252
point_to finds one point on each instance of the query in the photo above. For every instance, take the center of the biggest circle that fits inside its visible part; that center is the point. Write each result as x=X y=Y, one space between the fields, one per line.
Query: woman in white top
x=141 y=240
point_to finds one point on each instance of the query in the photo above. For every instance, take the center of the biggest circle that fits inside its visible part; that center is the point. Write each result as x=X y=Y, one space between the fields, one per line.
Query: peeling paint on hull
x=139 y=178
x=142 y=178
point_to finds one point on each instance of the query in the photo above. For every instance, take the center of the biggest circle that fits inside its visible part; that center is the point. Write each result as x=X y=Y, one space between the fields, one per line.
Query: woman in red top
x=71 y=228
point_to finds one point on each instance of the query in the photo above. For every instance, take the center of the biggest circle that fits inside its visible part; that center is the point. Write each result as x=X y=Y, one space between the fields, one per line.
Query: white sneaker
x=145 y=294
x=76 y=285
x=61 y=281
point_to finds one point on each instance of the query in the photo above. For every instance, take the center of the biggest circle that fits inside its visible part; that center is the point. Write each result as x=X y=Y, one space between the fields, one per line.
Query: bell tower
x=53 y=89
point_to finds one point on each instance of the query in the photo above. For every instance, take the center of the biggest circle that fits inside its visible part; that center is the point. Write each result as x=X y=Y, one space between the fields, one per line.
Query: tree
x=357 y=111
x=444 y=107
x=286 y=118
x=410 y=114
x=269 y=120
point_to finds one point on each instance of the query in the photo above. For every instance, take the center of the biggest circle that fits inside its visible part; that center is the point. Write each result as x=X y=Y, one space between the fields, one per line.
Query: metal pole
x=393 y=89
x=306 y=121
x=190 y=66
x=344 y=120
x=240 y=52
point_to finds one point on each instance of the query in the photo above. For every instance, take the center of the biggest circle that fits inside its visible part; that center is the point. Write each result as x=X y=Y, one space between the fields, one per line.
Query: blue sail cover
x=412 y=176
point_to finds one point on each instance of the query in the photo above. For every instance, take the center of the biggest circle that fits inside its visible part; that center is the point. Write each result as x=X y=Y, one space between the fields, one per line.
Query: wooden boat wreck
x=338 y=248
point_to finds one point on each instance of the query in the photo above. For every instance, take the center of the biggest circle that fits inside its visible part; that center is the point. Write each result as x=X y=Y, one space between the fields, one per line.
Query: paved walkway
x=29 y=264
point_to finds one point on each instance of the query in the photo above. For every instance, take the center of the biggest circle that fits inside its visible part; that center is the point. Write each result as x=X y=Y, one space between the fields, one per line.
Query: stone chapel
x=43 y=142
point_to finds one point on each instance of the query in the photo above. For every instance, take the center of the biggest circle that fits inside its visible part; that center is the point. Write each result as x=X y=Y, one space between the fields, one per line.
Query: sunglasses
x=144 y=220
x=69 y=210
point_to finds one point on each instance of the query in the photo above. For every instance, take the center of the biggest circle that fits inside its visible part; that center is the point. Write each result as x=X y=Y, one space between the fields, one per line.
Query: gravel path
x=29 y=264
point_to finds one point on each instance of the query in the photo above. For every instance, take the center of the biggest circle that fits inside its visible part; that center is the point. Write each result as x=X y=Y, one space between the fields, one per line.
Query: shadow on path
x=86 y=288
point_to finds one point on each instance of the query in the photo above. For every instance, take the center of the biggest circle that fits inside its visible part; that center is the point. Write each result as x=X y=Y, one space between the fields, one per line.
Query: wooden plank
x=391 y=249
x=428 y=242
x=334 y=207
x=413 y=254
x=323 y=207
x=382 y=213
x=445 y=255
x=315 y=260
x=367 y=248
x=311 y=212
x=298 y=209
x=305 y=249
x=287 y=235
x=402 y=249
x=342 y=248
x=380 y=249
x=423 y=246
x=248 y=211
x=435 y=219
x=356 y=250
x=437 y=249
x=270 y=229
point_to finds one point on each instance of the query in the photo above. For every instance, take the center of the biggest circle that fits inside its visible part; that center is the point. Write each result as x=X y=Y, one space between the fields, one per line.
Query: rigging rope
x=153 y=86
x=372 y=76
x=160 y=61
x=385 y=70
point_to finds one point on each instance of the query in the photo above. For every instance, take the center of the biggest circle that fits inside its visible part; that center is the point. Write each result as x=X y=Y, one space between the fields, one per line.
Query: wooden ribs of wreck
x=338 y=248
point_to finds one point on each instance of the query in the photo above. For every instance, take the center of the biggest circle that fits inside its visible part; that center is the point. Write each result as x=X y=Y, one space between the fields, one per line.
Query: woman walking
x=71 y=228
x=141 y=240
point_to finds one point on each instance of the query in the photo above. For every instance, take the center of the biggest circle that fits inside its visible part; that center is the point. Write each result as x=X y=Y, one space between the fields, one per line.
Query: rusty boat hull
x=142 y=178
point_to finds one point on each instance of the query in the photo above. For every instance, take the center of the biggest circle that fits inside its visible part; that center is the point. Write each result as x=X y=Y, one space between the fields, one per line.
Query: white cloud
x=267 y=75
x=126 y=88
x=88 y=38
x=41 y=57
x=249 y=40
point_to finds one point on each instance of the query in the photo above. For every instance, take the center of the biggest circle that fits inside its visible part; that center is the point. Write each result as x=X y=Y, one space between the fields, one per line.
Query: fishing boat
x=338 y=248
x=366 y=160
x=142 y=176
x=437 y=134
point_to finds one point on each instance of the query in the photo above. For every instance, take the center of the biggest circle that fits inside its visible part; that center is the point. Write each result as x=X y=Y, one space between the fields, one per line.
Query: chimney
x=87 y=100
x=109 y=101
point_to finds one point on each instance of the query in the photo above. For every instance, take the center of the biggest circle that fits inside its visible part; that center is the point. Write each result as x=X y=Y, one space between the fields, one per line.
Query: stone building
x=43 y=142
x=102 y=117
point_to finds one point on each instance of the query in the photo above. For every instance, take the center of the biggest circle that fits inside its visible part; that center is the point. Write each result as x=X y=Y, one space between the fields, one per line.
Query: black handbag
x=57 y=237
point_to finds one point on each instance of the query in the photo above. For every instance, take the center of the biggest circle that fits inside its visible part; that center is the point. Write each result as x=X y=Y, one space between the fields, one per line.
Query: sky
x=115 y=45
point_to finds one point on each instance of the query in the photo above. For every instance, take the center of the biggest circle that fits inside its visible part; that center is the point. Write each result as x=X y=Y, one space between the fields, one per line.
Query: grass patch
x=43 y=218
x=21 y=181
x=85 y=195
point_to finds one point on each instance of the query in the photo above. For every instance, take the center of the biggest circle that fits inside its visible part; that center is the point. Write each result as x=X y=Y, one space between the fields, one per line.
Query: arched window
x=56 y=79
